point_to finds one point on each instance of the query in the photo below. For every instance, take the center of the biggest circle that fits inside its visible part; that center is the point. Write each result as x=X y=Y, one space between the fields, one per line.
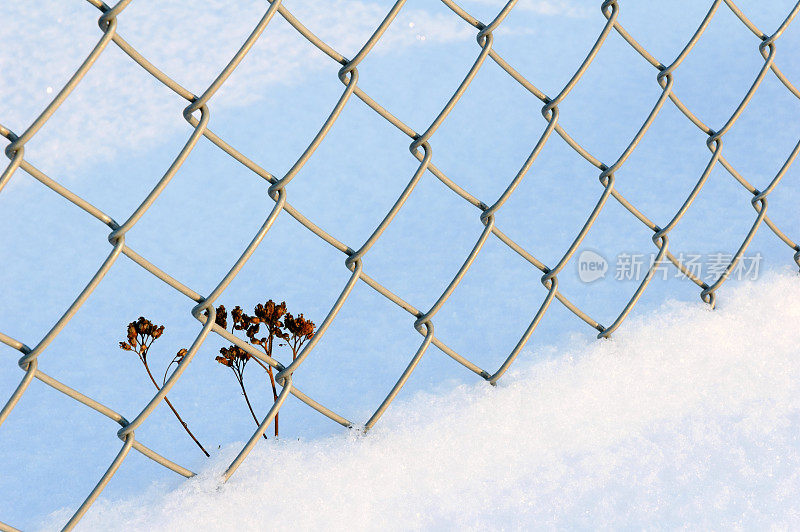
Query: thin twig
x=247 y=400
x=182 y=422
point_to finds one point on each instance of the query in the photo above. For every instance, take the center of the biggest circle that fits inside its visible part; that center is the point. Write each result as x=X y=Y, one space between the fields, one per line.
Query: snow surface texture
x=686 y=418
x=119 y=131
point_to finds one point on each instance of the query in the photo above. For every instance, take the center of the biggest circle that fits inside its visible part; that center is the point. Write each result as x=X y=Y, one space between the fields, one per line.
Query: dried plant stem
x=182 y=422
x=272 y=381
x=166 y=371
x=274 y=395
x=268 y=369
x=279 y=324
x=250 y=406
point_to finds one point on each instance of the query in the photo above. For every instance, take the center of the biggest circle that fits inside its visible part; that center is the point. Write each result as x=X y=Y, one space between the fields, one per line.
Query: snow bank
x=688 y=416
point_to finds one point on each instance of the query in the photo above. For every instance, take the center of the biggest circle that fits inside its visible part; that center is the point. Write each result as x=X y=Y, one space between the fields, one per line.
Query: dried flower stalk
x=140 y=336
x=278 y=324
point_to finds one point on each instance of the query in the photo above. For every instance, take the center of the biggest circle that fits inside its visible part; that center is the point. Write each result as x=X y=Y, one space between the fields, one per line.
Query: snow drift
x=686 y=417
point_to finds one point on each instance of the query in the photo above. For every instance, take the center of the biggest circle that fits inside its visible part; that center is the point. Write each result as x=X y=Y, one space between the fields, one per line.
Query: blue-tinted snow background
x=687 y=416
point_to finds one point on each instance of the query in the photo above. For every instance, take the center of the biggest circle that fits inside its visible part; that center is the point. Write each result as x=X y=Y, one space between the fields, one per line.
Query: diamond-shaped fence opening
x=422 y=144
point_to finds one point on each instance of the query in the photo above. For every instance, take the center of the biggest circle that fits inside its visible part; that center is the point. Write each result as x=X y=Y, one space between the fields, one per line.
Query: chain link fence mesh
x=197 y=115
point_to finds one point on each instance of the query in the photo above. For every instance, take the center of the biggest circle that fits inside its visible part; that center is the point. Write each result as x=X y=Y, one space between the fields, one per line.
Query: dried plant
x=234 y=356
x=297 y=332
x=278 y=324
x=140 y=336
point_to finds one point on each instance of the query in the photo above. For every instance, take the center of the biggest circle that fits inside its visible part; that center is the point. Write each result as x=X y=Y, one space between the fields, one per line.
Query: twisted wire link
x=203 y=306
x=664 y=79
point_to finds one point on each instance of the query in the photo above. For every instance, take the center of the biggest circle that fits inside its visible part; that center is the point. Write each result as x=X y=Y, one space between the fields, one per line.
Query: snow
x=193 y=52
x=682 y=417
x=687 y=418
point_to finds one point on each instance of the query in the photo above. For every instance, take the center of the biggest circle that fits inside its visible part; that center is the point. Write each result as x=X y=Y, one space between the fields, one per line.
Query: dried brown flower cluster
x=140 y=336
x=270 y=326
x=278 y=324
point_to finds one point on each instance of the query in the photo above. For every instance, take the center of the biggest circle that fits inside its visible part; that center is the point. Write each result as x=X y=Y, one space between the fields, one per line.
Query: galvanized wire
x=197 y=114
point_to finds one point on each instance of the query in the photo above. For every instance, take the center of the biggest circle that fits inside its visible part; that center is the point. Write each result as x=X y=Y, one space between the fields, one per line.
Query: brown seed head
x=299 y=327
x=132 y=333
x=222 y=317
x=140 y=331
x=235 y=358
x=240 y=319
x=270 y=314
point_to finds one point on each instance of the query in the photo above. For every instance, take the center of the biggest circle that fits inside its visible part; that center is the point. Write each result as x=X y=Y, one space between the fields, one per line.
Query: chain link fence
x=197 y=115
